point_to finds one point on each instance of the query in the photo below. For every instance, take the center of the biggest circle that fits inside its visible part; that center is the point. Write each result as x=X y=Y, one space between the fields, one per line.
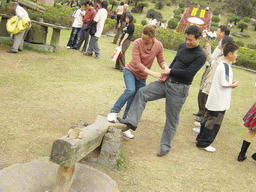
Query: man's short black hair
x=194 y=30
x=104 y=4
x=83 y=3
x=225 y=29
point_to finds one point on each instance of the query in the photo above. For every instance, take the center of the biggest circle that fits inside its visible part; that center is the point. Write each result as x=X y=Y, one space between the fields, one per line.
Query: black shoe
x=162 y=153
x=11 y=51
x=254 y=156
x=197 y=114
x=241 y=157
x=20 y=50
x=198 y=119
x=123 y=121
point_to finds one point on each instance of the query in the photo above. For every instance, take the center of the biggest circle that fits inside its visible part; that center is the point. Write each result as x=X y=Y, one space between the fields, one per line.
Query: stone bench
x=37 y=35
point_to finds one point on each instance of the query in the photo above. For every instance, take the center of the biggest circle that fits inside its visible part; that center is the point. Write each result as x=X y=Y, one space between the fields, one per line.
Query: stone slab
x=39 y=175
x=37 y=47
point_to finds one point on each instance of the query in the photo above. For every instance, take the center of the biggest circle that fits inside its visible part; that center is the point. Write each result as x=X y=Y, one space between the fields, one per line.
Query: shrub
x=168 y=3
x=216 y=12
x=134 y=20
x=144 y=22
x=58 y=5
x=153 y=1
x=246 y=19
x=159 y=5
x=251 y=46
x=177 y=17
x=181 y=5
x=173 y=23
x=176 y=12
x=213 y=28
x=240 y=43
x=215 y=18
x=246 y=58
x=109 y=24
x=214 y=24
x=181 y=10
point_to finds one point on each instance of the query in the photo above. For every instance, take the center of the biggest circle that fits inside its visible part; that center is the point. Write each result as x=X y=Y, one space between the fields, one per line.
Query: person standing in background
x=125 y=41
x=18 y=38
x=100 y=20
x=121 y=24
x=76 y=25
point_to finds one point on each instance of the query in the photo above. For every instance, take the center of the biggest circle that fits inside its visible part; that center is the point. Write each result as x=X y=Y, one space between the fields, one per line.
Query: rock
x=240 y=34
x=111 y=147
x=39 y=175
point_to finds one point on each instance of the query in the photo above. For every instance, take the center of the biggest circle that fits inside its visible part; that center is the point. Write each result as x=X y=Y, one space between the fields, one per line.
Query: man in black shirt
x=174 y=86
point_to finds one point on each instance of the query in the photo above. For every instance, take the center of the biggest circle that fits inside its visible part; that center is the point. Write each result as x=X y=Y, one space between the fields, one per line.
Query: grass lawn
x=42 y=95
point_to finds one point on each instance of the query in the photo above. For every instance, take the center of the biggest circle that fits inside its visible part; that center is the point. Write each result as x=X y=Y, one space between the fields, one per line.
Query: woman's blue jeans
x=133 y=84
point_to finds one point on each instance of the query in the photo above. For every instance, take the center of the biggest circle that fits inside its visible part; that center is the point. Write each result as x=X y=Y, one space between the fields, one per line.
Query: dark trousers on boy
x=210 y=126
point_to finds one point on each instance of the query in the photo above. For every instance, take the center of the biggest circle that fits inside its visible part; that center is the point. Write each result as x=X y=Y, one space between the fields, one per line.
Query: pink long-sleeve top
x=143 y=58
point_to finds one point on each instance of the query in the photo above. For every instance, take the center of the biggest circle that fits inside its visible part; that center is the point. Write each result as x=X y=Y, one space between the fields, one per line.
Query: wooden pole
x=64 y=179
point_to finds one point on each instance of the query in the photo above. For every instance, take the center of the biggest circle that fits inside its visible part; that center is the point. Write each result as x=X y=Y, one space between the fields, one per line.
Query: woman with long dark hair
x=125 y=41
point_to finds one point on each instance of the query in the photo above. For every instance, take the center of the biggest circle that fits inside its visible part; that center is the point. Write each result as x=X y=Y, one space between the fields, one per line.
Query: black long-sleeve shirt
x=187 y=63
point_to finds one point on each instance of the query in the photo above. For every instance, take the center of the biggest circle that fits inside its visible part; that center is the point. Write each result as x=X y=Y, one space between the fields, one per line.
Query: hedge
x=246 y=58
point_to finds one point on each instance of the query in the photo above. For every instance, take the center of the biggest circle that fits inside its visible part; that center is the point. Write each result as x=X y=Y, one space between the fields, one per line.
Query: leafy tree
x=234 y=19
x=113 y=3
x=159 y=5
x=142 y=5
x=242 y=8
x=168 y=3
x=254 y=24
x=242 y=25
x=246 y=19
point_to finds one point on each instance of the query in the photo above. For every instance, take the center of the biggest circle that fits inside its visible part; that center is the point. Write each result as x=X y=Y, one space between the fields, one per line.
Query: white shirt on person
x=78 y=18
x=219 y=98
x=100 y=19
x=21 y=12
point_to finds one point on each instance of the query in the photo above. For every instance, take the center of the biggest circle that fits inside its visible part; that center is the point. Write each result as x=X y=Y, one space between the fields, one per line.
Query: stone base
x=40 y=175
x=37 y=47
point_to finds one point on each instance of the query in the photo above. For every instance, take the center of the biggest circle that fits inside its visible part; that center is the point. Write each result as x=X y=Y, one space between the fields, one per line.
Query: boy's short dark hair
x=226 y=39
x=194 y=30
x=225 y=29
x=229 y=47
x=89 y=3
x=104 y=4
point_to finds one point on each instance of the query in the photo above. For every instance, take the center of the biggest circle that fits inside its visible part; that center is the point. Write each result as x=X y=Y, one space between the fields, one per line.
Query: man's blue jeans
x=74 y=36
x=133 y=84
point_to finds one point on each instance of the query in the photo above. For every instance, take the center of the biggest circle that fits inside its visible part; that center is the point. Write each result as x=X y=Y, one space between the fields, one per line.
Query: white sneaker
x=112 y=117
x=196 y=129
x=68 y=47
x=128 y=134
x=197 y=124
x=209 y=149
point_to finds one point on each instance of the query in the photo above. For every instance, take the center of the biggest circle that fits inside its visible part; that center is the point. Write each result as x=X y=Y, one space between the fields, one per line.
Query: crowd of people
x=214 y=96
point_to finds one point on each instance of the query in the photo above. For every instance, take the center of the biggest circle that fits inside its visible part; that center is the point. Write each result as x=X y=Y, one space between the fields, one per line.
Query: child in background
x=76 y=25
x=250 y=123
x=219 y=98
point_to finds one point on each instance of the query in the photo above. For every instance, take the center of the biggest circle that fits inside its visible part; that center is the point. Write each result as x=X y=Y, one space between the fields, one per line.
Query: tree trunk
x=242 y=29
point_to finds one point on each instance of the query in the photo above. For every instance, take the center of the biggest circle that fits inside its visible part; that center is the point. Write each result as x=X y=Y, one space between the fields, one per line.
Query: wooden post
x=64 y=179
